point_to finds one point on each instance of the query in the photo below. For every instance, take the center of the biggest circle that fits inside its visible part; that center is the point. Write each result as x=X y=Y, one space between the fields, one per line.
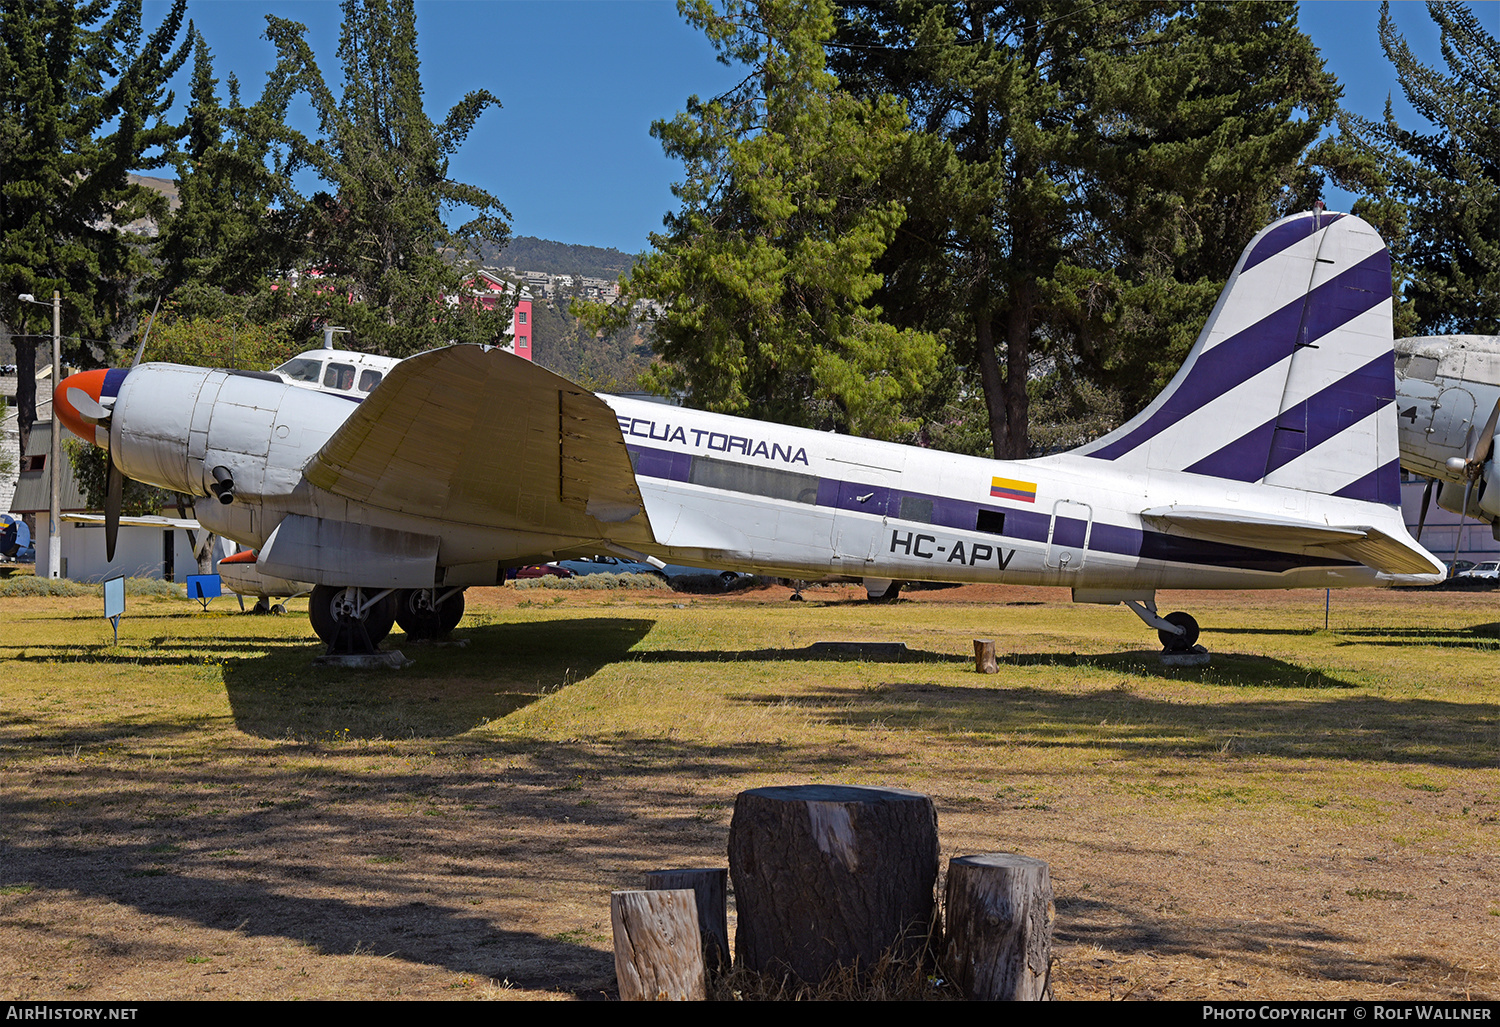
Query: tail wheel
x=1179 y=643
x=334 y=613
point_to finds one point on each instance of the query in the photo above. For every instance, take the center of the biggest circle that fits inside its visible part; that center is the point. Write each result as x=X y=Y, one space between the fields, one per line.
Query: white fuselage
x=747 y=495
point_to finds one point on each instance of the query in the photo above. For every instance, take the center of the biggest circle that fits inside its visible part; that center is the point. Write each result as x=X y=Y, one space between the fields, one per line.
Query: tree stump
x=658 y=952
x=708 y=887
x=831 y=875
x=999 y=914
x=984 y=656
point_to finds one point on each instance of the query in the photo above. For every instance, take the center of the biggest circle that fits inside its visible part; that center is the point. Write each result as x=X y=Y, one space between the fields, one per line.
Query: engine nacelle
x=238 y=436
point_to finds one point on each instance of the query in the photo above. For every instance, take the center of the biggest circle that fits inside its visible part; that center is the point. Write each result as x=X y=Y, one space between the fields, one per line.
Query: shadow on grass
x=1484 y=637
x=449 y=689
x=1321 y=952
x=1357 y=727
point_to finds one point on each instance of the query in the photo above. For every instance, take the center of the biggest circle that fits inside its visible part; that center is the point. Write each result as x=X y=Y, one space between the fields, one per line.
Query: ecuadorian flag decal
x=1008 y=488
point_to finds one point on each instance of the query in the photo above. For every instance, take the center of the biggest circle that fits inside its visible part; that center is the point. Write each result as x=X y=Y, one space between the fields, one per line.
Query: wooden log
x=984 y=656
x=658 y=952
x=831 y=875
x=999 y=913
x=709 y=887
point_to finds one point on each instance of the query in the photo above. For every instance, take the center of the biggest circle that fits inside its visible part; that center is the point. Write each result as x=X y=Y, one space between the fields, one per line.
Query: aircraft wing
x=476 y=435
x=1370 y=546
x=146 y=521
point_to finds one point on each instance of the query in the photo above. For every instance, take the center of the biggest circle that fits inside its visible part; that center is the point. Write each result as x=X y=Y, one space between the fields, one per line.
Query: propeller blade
x=140 y=350
x=1458 y=540
x=1479 y=447
x=86 y=406
x=1426 y=502
x=114 y=493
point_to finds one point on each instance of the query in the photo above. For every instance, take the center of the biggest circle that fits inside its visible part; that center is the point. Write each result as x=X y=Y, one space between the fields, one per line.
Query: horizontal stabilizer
x=1372 y=547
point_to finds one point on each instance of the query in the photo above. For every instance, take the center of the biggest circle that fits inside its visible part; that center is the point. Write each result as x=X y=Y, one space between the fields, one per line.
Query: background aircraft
x=1448 y=402
x=1270 y=461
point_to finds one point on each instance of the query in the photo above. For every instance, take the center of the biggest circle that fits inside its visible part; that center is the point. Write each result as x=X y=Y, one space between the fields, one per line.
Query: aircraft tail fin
x=1292 y=380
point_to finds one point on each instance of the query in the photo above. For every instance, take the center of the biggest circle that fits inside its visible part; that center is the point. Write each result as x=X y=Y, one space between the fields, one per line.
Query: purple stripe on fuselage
x=1238 y=359
x=1285 y=236
x=1027 y=525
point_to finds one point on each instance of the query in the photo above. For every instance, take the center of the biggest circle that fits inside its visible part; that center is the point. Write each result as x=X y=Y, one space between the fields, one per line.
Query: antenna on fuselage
x=328 y=333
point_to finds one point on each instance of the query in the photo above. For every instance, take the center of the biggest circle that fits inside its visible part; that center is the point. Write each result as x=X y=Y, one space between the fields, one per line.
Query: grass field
x=199 y=812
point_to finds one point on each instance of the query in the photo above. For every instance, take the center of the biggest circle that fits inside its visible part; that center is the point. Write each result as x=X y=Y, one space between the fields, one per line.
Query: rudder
x=1292 y=380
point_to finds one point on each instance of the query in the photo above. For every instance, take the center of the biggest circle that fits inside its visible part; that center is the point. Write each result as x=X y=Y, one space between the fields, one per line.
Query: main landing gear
x=353 y=621
x=1178 y=631
x=428 y=613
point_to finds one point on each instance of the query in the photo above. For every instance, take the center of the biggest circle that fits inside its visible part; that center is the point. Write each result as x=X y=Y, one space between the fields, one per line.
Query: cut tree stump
x=658 y=951
x=831 y=875
x=984 y=656
x=999 y=914
x=709 y=887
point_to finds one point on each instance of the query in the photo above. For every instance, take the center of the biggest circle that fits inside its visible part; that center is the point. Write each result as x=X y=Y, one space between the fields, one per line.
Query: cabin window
x=991 y=522
x=339 y=376
x=368 y=380
x=916 y=508
x=770 y=482
x=1424 y=368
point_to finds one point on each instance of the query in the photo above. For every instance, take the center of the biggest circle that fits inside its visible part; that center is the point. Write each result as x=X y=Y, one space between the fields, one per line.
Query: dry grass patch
x=200 y=812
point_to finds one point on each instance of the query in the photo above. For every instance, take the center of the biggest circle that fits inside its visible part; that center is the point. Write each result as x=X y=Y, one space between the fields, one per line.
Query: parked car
x=1489 y=570
x=541 y=570
x=672 y=572
x=608 y=565
x=1458 y=567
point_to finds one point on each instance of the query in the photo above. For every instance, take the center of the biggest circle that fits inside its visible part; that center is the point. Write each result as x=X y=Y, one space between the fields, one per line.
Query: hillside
x=528 y=253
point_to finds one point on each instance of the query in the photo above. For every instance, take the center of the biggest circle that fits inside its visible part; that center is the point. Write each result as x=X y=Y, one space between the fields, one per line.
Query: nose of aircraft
x=83 y=403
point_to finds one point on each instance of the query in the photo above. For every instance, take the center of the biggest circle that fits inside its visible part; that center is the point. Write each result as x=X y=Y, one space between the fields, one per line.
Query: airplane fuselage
x=1269 y=461
x=749 y=495
x=1446 y=387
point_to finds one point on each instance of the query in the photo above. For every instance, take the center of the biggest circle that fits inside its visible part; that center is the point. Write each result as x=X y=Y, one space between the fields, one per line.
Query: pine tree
x=231 y=234
x=84 y=103
x=766 y=268
x=382 y=260
x=1082 y=178
x=1436 y=192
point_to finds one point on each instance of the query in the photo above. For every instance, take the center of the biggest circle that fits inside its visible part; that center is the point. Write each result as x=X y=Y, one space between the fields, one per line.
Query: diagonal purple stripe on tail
x=1238 y=359
x=1305 y=425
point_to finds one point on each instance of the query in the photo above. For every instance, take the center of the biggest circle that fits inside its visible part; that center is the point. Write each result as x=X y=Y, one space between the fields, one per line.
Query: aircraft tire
x=1179 y=643
x=328 y=624
x=421 y=621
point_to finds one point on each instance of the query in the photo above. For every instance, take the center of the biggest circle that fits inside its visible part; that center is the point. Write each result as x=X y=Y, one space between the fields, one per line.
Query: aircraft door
x=1452 y=418
x=1068 y=535
x=859 y=522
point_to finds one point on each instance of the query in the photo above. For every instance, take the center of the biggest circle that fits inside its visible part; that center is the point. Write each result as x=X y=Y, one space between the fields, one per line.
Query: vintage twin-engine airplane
x=1448 y=403
x=1270 y=461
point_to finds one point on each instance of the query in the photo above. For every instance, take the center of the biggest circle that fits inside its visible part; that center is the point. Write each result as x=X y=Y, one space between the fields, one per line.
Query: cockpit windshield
x=301 y=369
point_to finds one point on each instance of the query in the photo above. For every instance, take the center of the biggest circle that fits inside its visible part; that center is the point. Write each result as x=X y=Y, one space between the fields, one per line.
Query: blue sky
x=570 y=152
